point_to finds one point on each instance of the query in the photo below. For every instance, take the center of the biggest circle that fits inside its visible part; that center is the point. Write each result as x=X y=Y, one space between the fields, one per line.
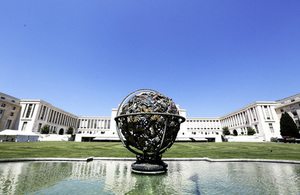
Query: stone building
x=291 y=105
x=262 y=116
x=37 y=113
x=9 y=112
x=95 y=129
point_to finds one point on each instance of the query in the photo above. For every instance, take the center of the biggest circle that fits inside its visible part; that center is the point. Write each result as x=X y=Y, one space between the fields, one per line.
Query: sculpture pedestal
x=148 y=168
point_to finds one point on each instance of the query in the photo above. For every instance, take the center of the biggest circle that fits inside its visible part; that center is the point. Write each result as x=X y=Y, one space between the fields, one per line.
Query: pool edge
x=133 y=159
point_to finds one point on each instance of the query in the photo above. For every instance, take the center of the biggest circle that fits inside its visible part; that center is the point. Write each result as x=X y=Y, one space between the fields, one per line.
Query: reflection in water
x=115 y=177
x=195 y=179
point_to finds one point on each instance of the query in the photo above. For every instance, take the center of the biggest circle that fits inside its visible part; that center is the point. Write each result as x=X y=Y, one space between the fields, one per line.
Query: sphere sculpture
x=147 y=124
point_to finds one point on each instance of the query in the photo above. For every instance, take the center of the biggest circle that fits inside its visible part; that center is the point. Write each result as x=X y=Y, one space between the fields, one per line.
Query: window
x=24 y=126
x=256 y=128
x=267 y=112
x=281 y=110
x=13 y=101
x=11 y=114
x=271 y=127
x=3 y=98
x=14 y=108
x=44 y=109
x=3 y=105
x=40 y=126
x=28 y=110
x=7 y=126
x=1 y=111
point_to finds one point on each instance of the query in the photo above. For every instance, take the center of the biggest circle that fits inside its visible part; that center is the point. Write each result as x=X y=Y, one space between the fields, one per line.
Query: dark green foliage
x=288 y=126
x=250 y=131
x=226 y=131
x=45 y=129
x=70 y=130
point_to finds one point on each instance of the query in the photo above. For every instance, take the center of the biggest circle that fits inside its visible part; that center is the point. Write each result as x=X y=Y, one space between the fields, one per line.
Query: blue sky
x=212 y=57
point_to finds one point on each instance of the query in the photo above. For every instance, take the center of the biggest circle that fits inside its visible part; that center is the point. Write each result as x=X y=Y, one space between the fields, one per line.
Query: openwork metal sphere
x=147 y=124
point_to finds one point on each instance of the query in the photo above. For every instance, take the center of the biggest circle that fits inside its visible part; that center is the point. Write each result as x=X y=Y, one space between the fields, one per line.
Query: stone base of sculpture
x=148 y=168
x=149 y=165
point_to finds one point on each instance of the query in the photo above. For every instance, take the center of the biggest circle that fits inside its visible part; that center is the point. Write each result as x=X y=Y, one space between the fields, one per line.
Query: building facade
x=35 y=114
x=89 y=129
x=9 y=111
x=262 y=116
x=291 y=105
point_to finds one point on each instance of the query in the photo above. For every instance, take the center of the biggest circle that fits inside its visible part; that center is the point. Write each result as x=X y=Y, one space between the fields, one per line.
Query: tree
x=70 y=130
x=45 y=129
x=226 y=131
x=250 y=131
x=287 y=126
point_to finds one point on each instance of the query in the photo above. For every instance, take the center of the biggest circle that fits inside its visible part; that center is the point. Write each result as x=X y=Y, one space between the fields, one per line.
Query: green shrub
x=287 y=126
x=70 y=130
x=226 y=131
x=45 y=129
x=250 y=131
x=274 y=139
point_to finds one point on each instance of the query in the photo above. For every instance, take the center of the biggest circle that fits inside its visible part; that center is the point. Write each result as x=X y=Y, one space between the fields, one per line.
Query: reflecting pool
x=115 y=177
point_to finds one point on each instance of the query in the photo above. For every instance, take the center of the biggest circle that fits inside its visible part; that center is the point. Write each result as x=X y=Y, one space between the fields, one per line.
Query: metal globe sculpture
x=147 y=124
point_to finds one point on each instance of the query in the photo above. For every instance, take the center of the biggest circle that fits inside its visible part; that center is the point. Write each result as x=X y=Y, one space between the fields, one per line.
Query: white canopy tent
x=18 y=136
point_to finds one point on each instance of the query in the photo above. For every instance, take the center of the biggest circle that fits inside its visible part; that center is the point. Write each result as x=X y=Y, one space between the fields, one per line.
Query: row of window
x=52 y=116
x=94 y=123
x=11 y=114
x=93 y=132
x=241 y=118
x=202 y=128
x=3 y=98
x=205 y=133
x=211 y=121
x=3 y=105
x=61 y=119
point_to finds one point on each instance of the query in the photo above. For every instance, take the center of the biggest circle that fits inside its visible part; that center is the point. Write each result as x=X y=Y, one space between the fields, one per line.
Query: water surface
x=115 y=177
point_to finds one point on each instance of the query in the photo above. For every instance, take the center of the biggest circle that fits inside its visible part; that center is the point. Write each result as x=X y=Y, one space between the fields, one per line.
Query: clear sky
x=212 y=57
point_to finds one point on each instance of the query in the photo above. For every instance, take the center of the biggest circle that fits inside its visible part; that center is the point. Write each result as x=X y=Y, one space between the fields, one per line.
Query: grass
x=225 y=150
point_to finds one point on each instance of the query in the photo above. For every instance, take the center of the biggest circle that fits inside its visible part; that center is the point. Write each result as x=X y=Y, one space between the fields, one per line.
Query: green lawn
x=226 y=150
